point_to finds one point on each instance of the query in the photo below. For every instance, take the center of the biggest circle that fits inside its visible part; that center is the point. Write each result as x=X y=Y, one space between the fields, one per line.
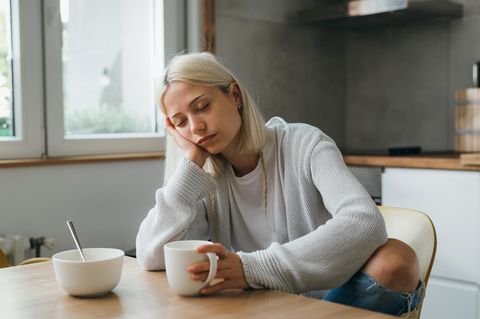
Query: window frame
x=28 y=98
x=37 y=85
x=56 y=143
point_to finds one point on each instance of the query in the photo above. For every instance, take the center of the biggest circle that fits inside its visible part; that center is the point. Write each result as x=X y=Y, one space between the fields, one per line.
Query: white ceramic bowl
x=97 y=276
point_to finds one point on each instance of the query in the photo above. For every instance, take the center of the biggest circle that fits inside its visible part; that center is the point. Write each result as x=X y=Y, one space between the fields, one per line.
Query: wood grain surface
x=31 y=292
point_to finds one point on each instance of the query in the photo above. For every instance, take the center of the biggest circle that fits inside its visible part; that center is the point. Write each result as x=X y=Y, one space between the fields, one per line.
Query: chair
x=417 y=230
x=34 y=260
x=4 y=261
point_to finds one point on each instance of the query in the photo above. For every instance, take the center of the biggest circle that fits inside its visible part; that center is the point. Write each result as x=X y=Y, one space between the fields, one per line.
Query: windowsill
x=81 y=159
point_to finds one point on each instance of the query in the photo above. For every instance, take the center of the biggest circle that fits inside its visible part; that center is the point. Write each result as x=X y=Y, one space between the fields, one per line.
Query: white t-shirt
x=251 y=229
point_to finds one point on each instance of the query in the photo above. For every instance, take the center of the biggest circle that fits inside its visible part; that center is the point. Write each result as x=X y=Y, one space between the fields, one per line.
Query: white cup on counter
x=179 y=255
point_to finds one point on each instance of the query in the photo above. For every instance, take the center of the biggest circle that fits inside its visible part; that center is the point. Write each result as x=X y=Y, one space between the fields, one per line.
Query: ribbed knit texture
x=333 y=225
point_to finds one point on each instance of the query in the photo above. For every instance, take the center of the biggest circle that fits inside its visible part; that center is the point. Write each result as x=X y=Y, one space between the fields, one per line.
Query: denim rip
x=363 y=291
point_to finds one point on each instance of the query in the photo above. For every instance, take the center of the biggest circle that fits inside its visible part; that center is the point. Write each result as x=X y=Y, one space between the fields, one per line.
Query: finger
x=202 y=276
x=205 y=266
x=216 y=248
x=177 y=137
x=199 y=267
x=169 y=122
x=215 y=288
x=169 y=126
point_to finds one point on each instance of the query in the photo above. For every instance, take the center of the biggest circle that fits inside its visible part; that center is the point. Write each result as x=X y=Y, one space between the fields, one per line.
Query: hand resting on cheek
x=191 y=151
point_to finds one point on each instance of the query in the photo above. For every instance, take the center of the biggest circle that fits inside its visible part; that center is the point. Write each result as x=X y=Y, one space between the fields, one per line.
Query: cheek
x=236 y=123
x=185 y=132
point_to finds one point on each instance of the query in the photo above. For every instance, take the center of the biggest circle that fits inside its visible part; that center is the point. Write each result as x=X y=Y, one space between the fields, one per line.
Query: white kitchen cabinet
x=451 y=199
x=450 y=299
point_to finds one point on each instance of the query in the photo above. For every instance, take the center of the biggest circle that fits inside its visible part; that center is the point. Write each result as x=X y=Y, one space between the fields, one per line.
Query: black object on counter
x=407 y=150
x=131 y=253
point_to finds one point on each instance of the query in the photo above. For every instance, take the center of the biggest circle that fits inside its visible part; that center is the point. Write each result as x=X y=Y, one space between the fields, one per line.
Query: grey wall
x=106 y=201
x=293 y=70
x=368 y=89
x=400 y=81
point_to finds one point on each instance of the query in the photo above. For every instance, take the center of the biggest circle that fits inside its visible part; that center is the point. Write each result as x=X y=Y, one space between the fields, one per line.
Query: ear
x=237 y=96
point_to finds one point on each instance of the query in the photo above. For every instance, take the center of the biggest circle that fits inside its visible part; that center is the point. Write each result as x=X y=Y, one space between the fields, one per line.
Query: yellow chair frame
x=417 y=230
x=4 y=261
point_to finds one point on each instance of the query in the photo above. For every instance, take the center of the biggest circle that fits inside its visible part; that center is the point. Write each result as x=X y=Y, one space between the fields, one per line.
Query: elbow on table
x=150 y=262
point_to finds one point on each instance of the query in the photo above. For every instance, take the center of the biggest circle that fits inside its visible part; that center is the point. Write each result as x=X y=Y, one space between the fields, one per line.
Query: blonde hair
x=204 y=69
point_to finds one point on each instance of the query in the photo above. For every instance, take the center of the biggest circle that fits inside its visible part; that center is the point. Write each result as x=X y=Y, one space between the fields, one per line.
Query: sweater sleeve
x=328 y=256
x=178 y=214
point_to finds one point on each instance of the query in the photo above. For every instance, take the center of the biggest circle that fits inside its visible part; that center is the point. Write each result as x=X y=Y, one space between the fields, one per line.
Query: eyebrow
x=190 y=104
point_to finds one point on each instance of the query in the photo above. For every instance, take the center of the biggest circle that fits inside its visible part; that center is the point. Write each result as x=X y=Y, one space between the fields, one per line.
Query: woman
x=284 y=210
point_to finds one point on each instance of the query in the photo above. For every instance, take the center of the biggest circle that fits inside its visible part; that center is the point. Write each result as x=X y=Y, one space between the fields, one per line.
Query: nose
x=198 y=126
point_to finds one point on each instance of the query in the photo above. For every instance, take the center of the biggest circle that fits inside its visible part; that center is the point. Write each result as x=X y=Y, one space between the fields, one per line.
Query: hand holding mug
x=179 y=255
x=229 y=268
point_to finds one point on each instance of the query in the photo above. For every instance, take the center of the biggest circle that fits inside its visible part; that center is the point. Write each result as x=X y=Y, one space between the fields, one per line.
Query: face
x=204 y=115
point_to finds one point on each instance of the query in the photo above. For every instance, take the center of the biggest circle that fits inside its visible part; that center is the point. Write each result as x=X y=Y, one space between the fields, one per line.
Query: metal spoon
x=75 y=239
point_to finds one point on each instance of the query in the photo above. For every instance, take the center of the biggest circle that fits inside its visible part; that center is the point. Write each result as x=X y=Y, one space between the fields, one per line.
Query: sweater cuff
x=248 y=270
x=190 y=183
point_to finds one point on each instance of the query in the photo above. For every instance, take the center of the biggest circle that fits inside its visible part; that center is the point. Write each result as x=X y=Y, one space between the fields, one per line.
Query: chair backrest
x=3 y=260
x=417 y=230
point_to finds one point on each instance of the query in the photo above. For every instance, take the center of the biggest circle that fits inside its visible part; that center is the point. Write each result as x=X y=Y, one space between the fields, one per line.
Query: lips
x=206 y=139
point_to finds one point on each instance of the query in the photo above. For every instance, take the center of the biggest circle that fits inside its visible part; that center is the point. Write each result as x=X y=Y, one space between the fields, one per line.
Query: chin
x=213 y=150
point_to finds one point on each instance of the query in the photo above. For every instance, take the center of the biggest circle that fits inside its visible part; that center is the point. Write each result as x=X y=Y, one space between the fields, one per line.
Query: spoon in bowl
x=75 y=239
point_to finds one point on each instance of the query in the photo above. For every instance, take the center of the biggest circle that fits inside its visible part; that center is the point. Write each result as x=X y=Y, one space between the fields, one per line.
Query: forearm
x=322 y=259
x=178 y=206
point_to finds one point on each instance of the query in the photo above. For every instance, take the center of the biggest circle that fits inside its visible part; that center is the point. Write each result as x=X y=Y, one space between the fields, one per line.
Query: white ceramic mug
x=179 y=255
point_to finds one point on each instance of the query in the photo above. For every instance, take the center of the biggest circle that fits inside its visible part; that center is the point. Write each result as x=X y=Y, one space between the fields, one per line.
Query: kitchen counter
x=448 y=162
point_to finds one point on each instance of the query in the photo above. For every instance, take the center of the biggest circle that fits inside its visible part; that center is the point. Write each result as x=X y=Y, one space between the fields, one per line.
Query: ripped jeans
x=363 y=291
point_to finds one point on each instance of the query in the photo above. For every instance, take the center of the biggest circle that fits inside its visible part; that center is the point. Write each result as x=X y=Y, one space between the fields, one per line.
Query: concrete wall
x=293 y=70
x=369 y=89
x=400 y=81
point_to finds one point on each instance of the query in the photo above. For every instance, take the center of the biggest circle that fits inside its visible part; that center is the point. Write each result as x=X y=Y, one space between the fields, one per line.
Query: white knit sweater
x=333 y=225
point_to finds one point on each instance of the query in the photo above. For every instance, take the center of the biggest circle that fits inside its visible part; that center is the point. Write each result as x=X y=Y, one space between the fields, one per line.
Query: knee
x=395 y=266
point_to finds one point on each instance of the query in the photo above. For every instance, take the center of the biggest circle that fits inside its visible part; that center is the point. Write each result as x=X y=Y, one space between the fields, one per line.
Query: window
x=21 y=60
x=7 y=127
x=93 y=89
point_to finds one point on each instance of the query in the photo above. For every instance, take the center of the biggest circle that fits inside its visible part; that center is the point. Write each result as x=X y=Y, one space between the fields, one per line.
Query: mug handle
x=213 y=267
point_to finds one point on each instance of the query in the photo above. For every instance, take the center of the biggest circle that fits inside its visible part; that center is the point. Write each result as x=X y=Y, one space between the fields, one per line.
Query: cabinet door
x=451 y=199
x=449 y=299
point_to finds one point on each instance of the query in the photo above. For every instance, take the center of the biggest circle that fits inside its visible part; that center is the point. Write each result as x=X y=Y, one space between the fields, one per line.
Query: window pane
x=6 y=106
x=107 y=55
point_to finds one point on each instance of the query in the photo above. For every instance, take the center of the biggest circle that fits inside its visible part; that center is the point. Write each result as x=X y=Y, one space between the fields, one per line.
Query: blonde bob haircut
x=203 y=69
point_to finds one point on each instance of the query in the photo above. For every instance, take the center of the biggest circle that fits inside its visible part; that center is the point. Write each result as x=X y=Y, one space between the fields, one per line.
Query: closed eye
x=179 y=123
x=203 y=107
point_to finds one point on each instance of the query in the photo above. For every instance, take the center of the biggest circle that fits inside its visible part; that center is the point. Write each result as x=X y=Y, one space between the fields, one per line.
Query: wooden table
x=30 y=291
